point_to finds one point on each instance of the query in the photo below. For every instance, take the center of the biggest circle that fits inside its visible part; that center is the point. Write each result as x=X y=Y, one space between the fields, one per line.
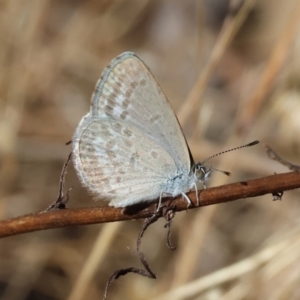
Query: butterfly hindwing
x=118 y=163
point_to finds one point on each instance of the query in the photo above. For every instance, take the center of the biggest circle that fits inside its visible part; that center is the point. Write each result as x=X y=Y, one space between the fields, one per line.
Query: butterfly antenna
x=224 y=172
x=229 y=150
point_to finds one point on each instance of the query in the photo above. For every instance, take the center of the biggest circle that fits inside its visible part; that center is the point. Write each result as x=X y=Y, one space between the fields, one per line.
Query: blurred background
x=231 y=70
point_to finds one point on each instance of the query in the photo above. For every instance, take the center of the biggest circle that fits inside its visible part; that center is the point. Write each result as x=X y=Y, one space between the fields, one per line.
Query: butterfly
x=130 y=147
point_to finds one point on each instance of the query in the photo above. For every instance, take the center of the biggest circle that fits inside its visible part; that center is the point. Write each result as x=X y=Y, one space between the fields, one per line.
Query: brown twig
x=169 y=216
x=147 y=272
x=168 y=213
x=62 y=199
x=85 y=216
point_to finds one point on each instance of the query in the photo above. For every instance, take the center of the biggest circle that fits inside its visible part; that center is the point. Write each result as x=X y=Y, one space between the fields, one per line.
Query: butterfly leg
x=160 y=199
x=159 y=202
x=196 y=190
x=187 y=199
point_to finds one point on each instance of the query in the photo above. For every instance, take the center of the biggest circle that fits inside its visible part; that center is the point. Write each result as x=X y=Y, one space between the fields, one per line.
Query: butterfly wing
x=128 y=92
x=130 y=144
x=118 y=163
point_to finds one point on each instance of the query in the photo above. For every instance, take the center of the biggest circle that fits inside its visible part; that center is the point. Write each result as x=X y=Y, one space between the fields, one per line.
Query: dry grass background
x=51 y=55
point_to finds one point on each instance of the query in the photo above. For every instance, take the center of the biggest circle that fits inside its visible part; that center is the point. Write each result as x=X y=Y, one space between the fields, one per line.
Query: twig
x=84 y=216
x=168 y=213
x=62 y=199
x=147 y=272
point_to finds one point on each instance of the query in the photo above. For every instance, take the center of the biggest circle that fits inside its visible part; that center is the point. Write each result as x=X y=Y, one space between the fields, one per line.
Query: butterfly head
x=201 y=173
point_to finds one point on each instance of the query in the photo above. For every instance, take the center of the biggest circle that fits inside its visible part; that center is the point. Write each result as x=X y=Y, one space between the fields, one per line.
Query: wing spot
x=135 y=156
x=143 y=82
x=123 y=115
x=98 y=173
x=108 y=108
x=128 y=93
x=112 y=98
x=111 y=154
x=118 y=83
x=154 y=154
x=105 y=132
x=87 y=149
x=110 y=144
x=117 y=127
x=127 y=132
x=105 y=181
x=125 y=103
x=133 y=85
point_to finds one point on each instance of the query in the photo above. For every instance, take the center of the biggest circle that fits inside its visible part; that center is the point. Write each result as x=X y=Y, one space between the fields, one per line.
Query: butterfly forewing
x=128 y=91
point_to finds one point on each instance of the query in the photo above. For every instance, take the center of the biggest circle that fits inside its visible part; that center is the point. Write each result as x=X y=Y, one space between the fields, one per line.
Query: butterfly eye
x=201 y=173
